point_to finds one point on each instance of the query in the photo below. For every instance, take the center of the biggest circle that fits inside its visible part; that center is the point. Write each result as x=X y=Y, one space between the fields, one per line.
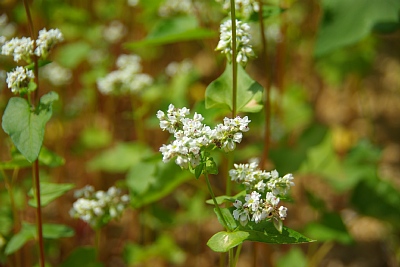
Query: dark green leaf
x=82 y=256
x=198 y=170
x=339 y=27
x=224 y=241
x=249 y=92
x=49 y=192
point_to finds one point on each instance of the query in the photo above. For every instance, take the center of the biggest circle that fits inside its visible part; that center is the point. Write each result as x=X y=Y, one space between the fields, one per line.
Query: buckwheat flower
x=243 y=48
x=243 y=8
x=133 y=2
x=7 y=30
x=253 y=201
x=56 y=74
x=19 y=48
x=176 y=68
x=114 y=32
x=98 y=208
x=19 y=79
x=175 y=6
x=241 y=213
x=47 y=39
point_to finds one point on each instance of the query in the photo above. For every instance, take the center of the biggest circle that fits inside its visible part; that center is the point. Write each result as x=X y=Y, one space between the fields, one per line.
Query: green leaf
x=172 y=30
x=265 y=232
x=198 y=170
x=379 y=199
x=224 y=241
x=119 y=158
x=331 y=228
x=295 y=257
x=157 y=181
x=228 y=218
x=222 y=199
x=249 y=92
x=55 y=231
x=46 y=158
x=49 y=192
x=339 y=27
x=71 y=55
x=25 y=126
x=82 y=256
x=28 y=232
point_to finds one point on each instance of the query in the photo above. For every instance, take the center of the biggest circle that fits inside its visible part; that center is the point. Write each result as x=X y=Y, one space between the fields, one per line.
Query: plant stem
x=231 y=258
x=239 y=248
x=215 y=201
x=234 y=63
x=39 y=222
x=35 y=167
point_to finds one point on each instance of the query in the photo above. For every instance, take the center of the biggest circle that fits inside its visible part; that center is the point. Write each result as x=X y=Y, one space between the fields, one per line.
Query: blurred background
x=333 y=71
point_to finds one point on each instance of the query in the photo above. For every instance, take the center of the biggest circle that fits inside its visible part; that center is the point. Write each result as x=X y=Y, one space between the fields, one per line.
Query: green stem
x=231 y=258
x=234 y=63
x=215 y=201
x=35 y=167
x=97 y=242
x=239 y=248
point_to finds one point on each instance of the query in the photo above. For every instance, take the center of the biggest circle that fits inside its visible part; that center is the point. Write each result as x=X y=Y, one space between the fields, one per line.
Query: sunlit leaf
x=294 y=257
x=224 y=241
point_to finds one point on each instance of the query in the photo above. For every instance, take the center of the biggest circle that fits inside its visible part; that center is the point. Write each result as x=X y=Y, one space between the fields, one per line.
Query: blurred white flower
x=56 y=74
x=114 y=32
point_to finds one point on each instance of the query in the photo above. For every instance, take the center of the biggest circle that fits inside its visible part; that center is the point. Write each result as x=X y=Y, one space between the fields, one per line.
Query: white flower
x=243 y=8
x=19 y=79
x=56 y=74
x=20 y=48
x=114 y=32
x=47 y=40
x=243 y=48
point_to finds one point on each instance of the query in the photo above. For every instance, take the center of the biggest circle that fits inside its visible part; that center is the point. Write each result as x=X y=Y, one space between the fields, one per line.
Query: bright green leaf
x=224 y=241
x=227 y=218
x=25 y=126
x=294 y=257
x=249 y=92
x=49 y=192
x=72 y=54
x=55 y=231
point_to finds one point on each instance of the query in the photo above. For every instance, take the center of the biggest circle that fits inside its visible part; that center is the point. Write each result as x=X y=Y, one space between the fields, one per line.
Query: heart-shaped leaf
x=249 y=92
x=25 y=126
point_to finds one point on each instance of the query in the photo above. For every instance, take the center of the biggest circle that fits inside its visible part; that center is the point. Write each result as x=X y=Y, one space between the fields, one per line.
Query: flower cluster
x=98 y=208
x=192 y=136
x=47 y=40
x=179 y=68
x=56 y=74
x=23 y=49
x=18 y=79
x=7 y=29
x=175 y=6
x=243 y=48
x=126 y=79
x=243 y=8
x=114 y=32
x=263 y=192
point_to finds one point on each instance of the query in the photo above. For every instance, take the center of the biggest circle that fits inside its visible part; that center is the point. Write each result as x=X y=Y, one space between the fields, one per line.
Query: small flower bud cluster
x=243 y=8
x=18 y=79
x=192 y=136
x=263 y=192
x=244 y=50
x=126 y=79
x=98 y=208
